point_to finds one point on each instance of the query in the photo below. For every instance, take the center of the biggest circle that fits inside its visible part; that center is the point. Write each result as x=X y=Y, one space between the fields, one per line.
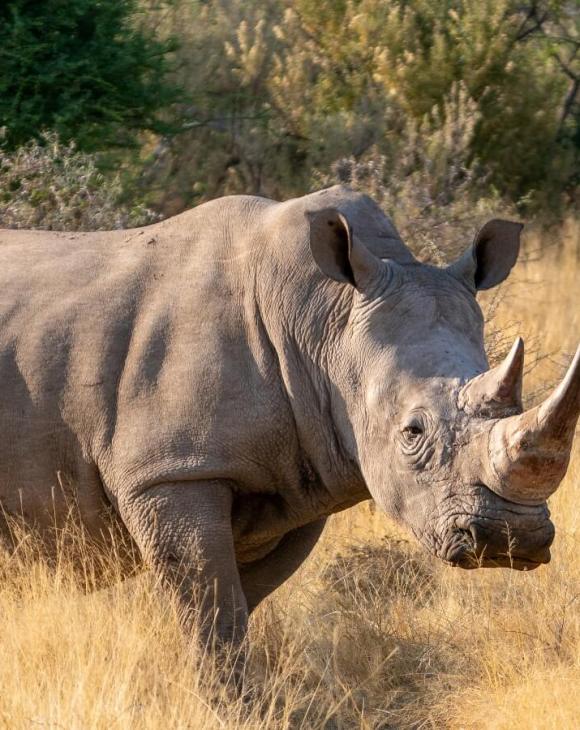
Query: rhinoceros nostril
x=459 y=546
x=483 y=540
x=465 y=537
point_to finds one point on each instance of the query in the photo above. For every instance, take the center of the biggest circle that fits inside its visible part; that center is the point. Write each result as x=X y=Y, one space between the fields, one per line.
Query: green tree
x=83 y=68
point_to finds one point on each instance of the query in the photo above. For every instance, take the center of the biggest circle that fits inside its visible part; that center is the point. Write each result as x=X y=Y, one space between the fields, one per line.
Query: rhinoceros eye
x=413 y=431
x=414 y=437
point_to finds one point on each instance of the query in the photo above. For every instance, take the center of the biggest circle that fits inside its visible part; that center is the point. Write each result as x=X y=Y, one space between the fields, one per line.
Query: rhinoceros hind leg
x=263 y=576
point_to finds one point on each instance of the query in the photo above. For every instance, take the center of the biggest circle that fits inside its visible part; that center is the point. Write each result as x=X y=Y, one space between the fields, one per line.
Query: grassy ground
x=371 y=634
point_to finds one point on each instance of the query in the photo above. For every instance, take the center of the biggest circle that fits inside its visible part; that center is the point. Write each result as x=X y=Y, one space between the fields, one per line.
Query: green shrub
x=82 y=68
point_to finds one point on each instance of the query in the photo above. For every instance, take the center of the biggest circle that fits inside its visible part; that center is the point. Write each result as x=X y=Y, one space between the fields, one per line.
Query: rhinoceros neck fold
x=302 y=315
x=302 y=347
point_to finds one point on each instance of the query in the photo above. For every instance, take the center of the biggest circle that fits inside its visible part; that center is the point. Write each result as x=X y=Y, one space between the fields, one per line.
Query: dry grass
x=371 y=634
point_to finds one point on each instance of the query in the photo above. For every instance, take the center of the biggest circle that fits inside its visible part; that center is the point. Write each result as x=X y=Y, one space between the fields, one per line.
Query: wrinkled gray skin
x=219 y=383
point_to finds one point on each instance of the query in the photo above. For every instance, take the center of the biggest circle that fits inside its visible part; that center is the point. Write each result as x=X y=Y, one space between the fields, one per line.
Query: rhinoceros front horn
x=529 y=453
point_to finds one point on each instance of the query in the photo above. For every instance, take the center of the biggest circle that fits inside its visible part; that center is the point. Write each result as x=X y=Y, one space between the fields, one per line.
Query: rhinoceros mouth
x=493 y=532
x=470 y=561
x=472 y=548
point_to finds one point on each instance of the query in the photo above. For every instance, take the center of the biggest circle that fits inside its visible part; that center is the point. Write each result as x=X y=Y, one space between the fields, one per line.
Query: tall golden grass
x=372 y=632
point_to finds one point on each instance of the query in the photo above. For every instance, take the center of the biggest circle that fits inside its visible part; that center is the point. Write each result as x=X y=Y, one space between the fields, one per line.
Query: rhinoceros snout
x=489 y=545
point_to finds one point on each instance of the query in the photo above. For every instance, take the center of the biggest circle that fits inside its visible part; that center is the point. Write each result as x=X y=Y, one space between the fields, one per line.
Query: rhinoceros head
x=441 y=440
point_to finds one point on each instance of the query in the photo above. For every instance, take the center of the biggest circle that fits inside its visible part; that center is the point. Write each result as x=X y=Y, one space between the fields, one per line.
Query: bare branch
x=568 y=105
x=565 y=67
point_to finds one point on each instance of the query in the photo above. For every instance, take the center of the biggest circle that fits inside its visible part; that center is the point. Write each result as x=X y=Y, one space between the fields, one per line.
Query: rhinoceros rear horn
x=498 y=391
x=530 y=452
x=338 y=253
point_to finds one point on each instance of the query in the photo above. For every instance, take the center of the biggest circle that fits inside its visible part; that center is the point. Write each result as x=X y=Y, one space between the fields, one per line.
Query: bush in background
x=451 y=102
x=277 y=89
x=52 y=185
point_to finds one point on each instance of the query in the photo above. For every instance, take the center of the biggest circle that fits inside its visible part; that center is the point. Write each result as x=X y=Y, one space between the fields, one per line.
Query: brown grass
x=372 y=633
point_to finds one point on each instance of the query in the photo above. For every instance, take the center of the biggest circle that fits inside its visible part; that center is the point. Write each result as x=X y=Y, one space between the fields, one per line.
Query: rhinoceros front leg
x=263 y=576
x=184 y=532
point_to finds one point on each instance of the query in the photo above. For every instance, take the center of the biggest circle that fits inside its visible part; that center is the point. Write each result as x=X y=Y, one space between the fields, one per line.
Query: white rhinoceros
x=222 y=381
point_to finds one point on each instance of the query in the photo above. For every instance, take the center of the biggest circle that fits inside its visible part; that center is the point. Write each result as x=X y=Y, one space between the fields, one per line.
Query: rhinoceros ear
x=338 y=253
x=491 y=257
